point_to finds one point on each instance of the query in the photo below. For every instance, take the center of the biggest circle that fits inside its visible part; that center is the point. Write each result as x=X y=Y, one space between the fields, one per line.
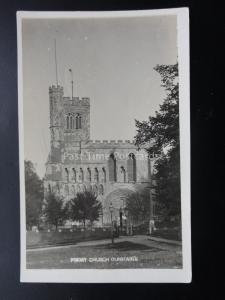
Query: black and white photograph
x=104 y=142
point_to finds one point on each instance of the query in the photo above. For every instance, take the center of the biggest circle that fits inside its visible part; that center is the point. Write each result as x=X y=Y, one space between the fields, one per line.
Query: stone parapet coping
x=111 y=142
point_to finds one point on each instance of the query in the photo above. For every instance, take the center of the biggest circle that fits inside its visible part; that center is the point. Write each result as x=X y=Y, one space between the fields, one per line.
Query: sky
x=113 y=62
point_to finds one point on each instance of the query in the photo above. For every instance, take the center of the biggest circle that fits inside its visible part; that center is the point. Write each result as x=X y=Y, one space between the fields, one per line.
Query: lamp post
x=101 y=215
x=111 y=212
x=126 y=214
x=121 y=218
x=151 y=220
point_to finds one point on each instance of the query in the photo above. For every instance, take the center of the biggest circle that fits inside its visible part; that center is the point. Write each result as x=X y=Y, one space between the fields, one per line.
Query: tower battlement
x=76 y=101
x=54 y=88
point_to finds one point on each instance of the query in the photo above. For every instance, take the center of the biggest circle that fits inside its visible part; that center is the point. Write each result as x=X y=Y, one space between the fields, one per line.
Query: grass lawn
x=56 y=238
x=169 y=233
x=151 y=255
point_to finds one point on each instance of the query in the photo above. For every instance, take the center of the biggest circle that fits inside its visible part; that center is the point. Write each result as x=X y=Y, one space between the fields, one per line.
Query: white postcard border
x=118 y=275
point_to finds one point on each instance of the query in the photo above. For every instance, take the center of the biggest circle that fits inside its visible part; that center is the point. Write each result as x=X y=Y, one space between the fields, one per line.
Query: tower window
x=78 y=121
x=72 y=121
x=67 y=122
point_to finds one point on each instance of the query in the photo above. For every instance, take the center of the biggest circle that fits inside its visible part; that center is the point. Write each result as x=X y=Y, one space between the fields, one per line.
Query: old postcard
x=104 y=133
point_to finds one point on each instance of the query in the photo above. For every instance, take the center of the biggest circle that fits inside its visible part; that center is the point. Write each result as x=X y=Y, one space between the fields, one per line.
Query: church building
x=112 y=169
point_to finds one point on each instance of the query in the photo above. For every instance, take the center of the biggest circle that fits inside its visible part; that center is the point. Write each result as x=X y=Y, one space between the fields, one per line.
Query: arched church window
x=123 y=173
x=104 y=174
x=88 y=174
x=81 y=175
x=67 y=174
x=96 y=176
x=74 y=174
x=112 y=168
x=131 y=168
x=49 y=189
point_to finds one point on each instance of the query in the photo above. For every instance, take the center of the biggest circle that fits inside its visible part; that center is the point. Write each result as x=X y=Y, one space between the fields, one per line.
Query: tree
x=54 y=210
x=34 y=195
x=85 y=206
x=137 y=205
x=160 y=135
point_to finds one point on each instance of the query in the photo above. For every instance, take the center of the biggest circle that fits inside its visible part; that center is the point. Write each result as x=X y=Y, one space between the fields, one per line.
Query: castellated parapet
x=111 y=141
x=76 y=101
x=55 y=88
x=110 y=144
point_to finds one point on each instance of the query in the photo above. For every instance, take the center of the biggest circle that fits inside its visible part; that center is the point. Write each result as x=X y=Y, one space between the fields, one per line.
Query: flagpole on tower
x=56 y=69
x=71 y=72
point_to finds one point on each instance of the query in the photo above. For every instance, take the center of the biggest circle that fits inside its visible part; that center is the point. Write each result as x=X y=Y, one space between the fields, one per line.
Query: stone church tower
x=110 y=169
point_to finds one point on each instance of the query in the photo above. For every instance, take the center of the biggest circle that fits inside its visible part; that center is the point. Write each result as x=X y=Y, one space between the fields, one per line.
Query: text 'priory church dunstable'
x=110 y=169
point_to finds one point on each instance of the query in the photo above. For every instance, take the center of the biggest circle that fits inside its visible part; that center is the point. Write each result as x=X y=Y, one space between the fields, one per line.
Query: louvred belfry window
x=78 y=121
x=70 y=122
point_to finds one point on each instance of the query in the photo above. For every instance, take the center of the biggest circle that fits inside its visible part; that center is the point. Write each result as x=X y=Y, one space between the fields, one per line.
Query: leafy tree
x=34 y=195
x=137 y=205
x=160 y=135
x=54 y=210
x=85 y=206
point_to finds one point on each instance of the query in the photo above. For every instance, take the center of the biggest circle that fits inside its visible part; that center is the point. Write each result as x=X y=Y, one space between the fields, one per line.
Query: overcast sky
x=112 y=61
